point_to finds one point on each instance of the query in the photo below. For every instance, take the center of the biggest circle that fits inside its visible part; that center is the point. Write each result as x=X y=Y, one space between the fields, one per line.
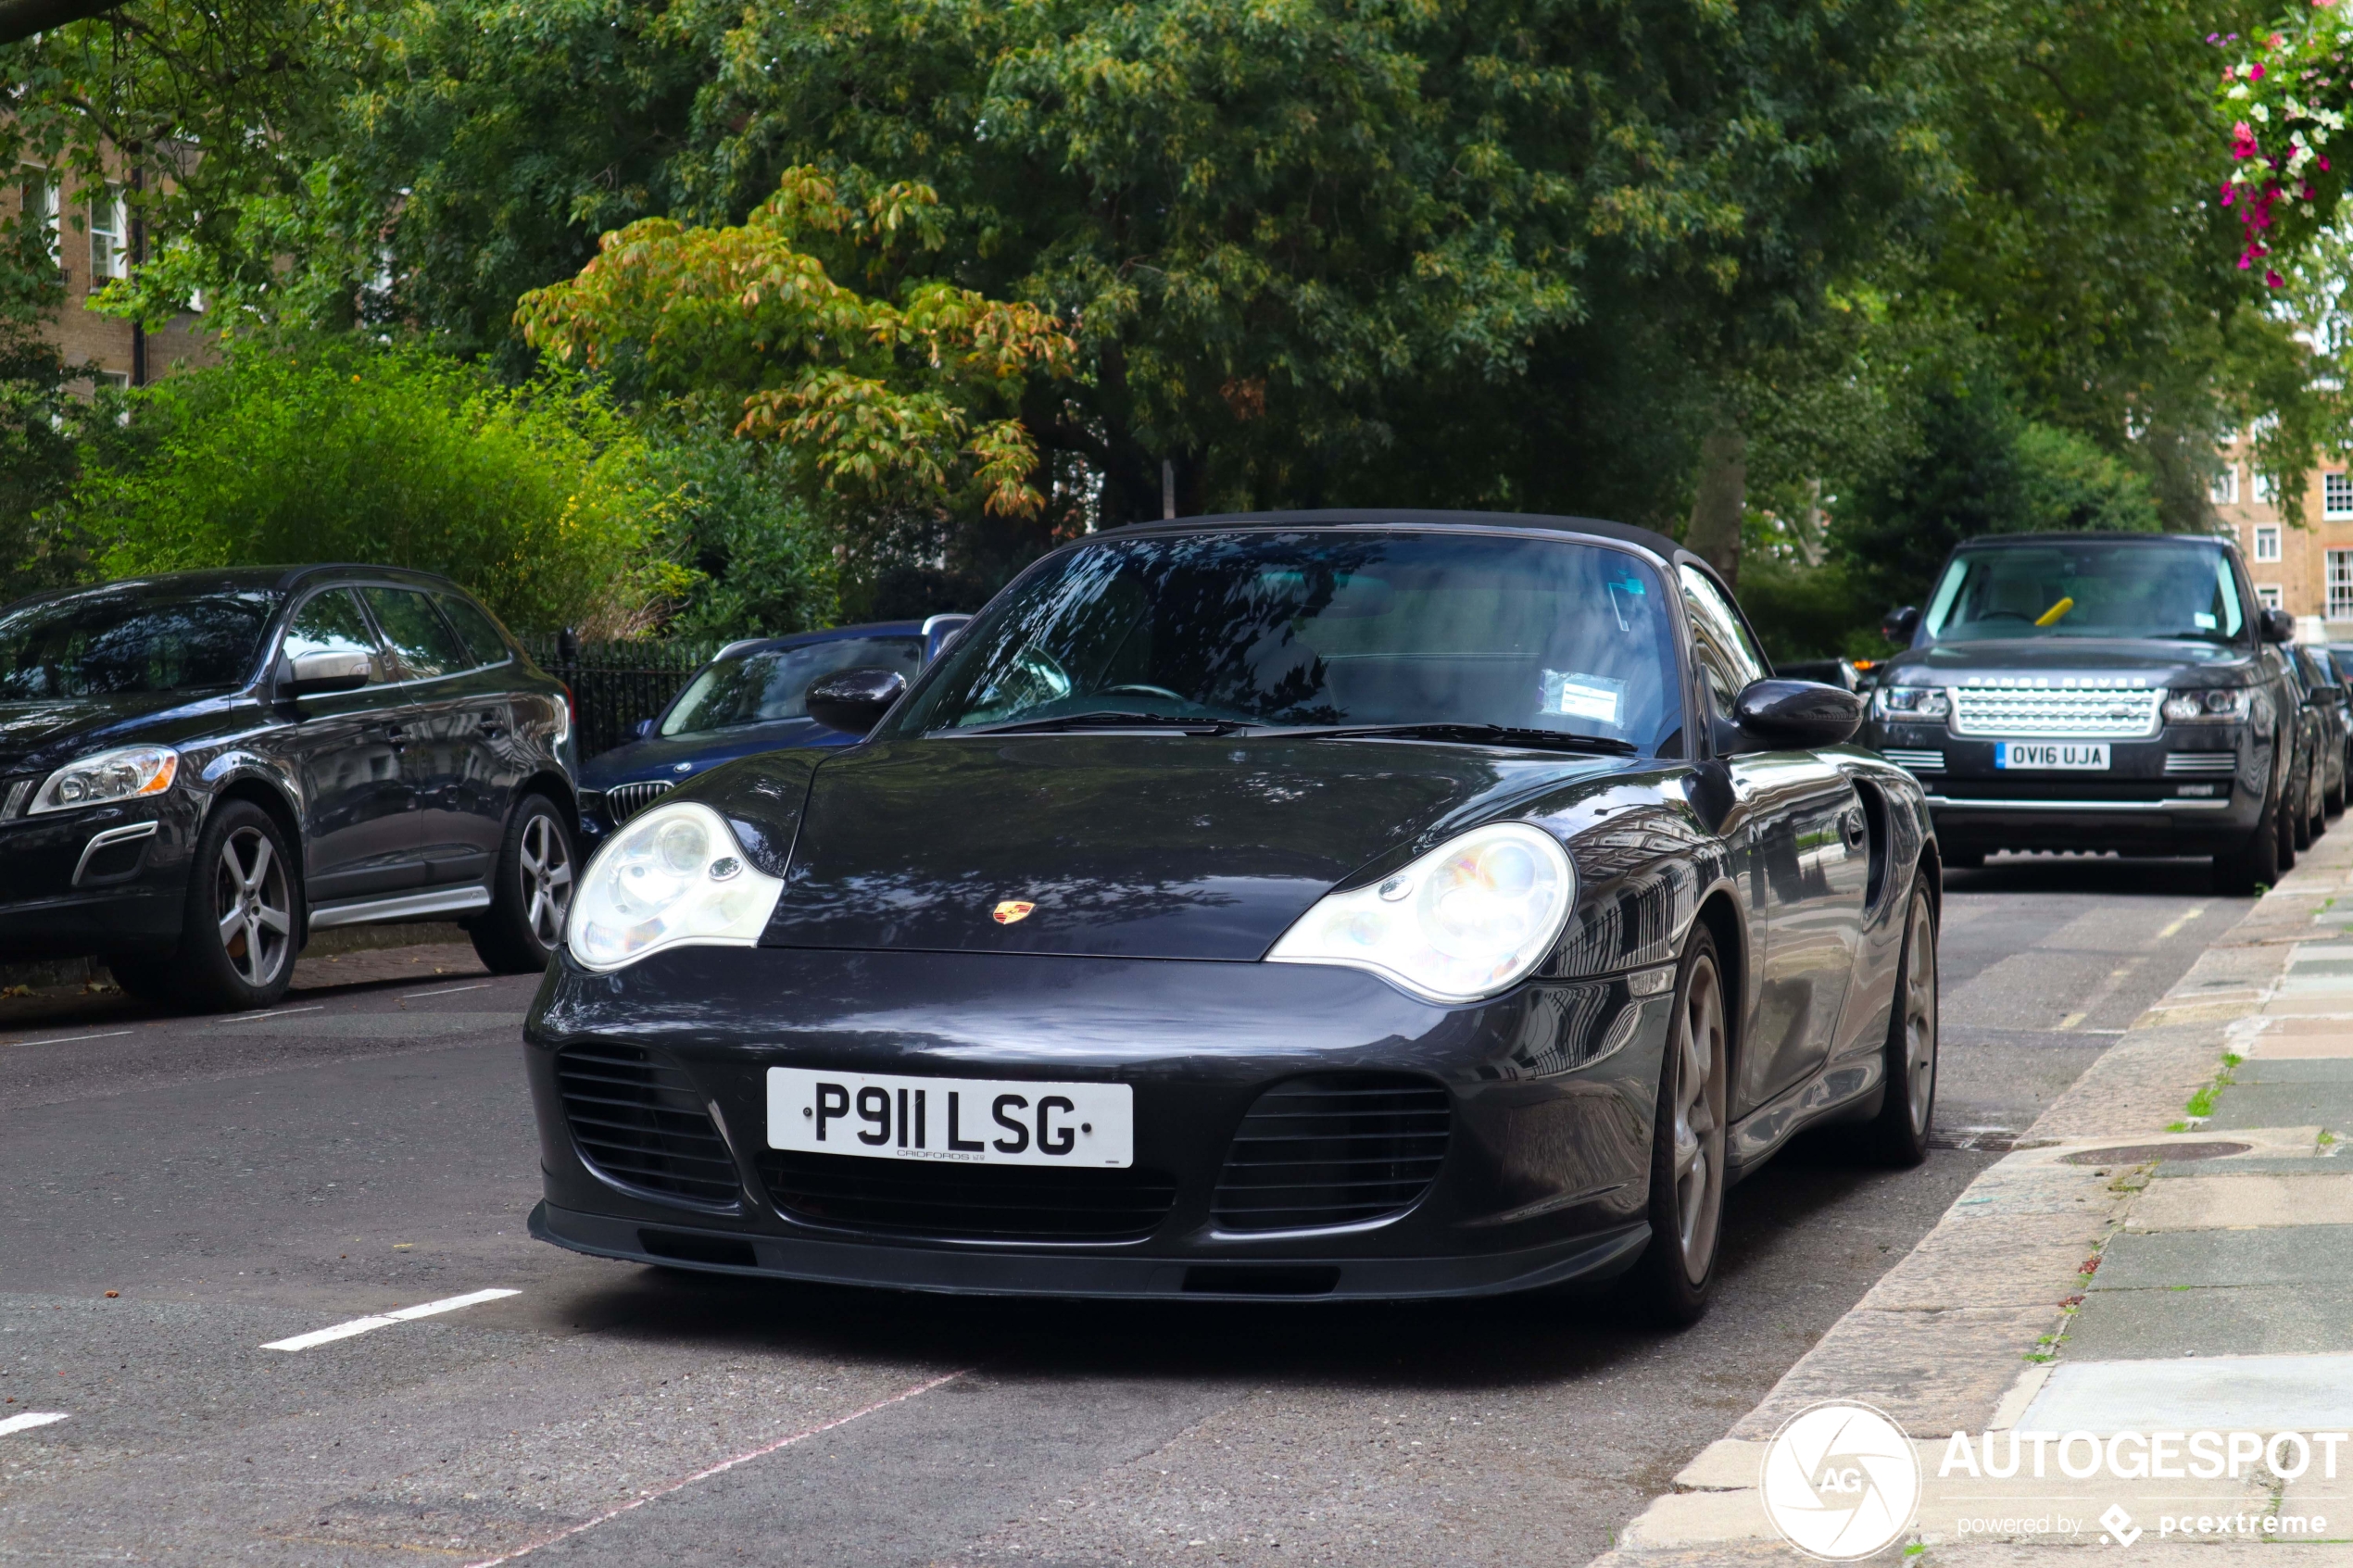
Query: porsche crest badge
x=1011 y=909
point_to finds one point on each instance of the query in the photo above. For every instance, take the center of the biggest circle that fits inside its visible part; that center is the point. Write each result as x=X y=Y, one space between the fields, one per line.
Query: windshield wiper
x=1483 y=735
x=1107 y=719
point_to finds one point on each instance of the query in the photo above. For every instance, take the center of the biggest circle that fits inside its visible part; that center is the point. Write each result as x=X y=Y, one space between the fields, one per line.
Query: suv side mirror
x=322 y=674
x=1797 y=713
x=1900 y=625
x=2279 y=626
x=640 y=730
x=854 y=700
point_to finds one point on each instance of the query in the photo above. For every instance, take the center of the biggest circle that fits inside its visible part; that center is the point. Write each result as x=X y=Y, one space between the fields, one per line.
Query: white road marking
x=385 y=1319
x=452 y=991
x=721 y=1468
x=276 y=1012
x=68 y=1039
x=31 y=1418
x=2174 y=929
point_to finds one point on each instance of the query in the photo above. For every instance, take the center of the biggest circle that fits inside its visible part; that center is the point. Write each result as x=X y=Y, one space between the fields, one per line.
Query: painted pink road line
x=722 y=1468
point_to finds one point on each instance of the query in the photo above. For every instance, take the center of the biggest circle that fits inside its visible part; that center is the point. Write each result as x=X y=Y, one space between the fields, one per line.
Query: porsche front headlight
x=672 y=877
x=1468 y=920
x=103 y=777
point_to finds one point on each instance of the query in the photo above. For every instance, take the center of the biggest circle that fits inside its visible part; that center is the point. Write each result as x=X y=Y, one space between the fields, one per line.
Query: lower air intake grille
x=636 y=1120
x=624 y=801
x=2207 y=762
x=1915 y=761
x=968 y=1202
x=1333 y=1149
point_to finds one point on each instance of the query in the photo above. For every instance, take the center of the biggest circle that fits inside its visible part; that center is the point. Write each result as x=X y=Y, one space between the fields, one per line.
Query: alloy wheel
x=547 y=879
x=1699 y=1065
x=1919 y=1015
x=253 y=906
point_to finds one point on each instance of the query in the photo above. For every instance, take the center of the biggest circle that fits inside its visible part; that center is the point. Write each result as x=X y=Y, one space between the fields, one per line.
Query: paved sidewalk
x=2168 y=1253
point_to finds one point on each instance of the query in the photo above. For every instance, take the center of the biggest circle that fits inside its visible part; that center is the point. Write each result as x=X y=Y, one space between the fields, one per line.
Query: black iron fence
x=615 y=685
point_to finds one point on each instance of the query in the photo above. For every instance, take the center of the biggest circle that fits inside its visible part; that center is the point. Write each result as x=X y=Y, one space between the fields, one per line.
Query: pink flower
x=2229 y=194
x=2243 y=145
x=2323 y=162
x=2255 y=73
x=2274 y=280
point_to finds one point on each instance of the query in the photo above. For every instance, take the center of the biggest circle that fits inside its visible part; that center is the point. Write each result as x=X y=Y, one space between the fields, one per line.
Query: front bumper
x=2189 y=790
x=105 y=879
x=1550 y=1093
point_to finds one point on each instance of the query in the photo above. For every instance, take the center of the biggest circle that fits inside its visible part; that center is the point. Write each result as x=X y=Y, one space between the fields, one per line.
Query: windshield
x=2087 y=588
x=762 y=687
x=1314 y=628
x=136 y=638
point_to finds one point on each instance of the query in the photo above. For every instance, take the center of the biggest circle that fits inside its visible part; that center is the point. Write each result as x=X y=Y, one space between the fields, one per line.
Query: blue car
x=747 y=699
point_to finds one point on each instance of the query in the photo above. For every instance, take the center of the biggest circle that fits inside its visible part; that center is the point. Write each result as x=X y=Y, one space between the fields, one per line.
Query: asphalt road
x=178 y=1193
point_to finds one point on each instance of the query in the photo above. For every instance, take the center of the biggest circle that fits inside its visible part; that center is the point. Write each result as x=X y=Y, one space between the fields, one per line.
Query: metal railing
x=617 y=686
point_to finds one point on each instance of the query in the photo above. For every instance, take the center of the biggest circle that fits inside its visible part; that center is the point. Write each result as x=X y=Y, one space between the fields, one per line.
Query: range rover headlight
x=1905 y=704
x=104 y=777
x=2210 y=705
x=1468 y=920
x=673 y=877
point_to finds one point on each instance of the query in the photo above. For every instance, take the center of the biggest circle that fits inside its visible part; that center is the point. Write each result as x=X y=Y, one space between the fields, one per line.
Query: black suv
x=2100 y=691
x=198 y=769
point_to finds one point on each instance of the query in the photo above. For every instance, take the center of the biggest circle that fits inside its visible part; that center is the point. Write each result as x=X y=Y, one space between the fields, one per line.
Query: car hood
x=662 y=757
x=1127 y=846
x=2140 y=658
x=41 y=734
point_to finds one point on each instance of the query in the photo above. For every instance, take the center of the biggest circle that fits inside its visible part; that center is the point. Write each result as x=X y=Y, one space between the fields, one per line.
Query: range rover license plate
x=2046 y=754
x=978 y=1121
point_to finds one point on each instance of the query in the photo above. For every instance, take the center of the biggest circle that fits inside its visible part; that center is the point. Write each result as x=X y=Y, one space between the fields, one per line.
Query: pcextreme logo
x=1839 y=1481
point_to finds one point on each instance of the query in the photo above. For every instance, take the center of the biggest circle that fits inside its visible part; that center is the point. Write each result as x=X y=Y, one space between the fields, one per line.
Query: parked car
x=1327 y=904
x=2337 y=695
x=2100 y=691
x=2331 y=717
x=199 y=770
x=747 y=699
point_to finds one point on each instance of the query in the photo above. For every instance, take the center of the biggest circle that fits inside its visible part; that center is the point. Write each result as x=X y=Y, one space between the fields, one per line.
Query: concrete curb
x=1960 y=1334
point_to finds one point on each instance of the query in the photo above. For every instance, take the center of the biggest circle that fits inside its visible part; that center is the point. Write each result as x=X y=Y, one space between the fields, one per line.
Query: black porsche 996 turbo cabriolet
x=1330 y=905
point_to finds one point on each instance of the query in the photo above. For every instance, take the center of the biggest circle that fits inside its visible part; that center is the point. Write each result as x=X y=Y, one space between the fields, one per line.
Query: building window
x=2267 y=544
x=2268 y=595
x=40 y=203
x=2223 y=489
x=2336 y=494
x=2340 y=585
x=2259 y=484
x=110 y=237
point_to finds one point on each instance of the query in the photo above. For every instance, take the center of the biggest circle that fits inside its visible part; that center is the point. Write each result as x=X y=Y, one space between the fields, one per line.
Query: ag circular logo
x=1839 y=1481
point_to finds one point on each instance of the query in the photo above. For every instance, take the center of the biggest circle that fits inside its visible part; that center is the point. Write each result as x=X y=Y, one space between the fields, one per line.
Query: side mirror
x=2279 y=626
x=939 y=630
x=1797 y=713
x=641 y=729
x=854 y=700
x=1900 y=625
x=322 y=674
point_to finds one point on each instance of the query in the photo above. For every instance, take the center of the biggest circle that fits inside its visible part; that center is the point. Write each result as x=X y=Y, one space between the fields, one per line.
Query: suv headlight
x=2210 y=705
x=674 y=877
x=1465 y=921
x=1908 y=703
x=103 y=777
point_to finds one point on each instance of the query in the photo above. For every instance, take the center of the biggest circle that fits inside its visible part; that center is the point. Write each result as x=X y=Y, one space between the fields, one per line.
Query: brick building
x=95 y=241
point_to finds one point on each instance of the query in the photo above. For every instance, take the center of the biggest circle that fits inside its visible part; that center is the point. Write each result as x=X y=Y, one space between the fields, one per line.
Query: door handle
x=1853 y=824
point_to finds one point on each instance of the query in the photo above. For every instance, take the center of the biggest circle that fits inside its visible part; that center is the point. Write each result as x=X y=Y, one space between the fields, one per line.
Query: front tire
x=2254 y=864
x=1676 y=1275
x=1898 y=1135
x=530 y=891
x=236 y=948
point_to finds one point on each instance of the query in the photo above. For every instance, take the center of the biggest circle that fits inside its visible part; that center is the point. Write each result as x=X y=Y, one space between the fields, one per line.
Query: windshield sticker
x=1574 y=696
x=2202 y=619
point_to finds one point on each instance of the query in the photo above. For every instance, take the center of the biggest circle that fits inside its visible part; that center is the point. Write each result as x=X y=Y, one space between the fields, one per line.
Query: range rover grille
x=958 y=1201
x=2025 y=709
x=1336 y=1148
x=636 y=1120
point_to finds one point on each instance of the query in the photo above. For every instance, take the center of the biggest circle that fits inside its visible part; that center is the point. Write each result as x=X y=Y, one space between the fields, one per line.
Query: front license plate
x=979 y=1120
x=2044 y=754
